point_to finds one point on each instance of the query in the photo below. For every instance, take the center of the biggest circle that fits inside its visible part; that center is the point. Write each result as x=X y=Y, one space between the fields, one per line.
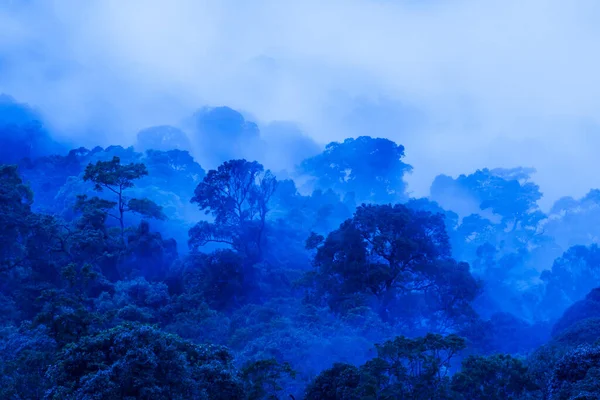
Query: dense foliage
x=136 y=273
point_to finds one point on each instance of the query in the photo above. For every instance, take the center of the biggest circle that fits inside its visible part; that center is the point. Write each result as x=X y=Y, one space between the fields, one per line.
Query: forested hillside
x=213 y=261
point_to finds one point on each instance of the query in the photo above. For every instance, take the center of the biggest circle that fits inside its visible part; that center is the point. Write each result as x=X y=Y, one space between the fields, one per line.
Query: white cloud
x=492 y=83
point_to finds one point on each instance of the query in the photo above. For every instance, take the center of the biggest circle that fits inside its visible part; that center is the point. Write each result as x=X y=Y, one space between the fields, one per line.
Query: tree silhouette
x=113 y=176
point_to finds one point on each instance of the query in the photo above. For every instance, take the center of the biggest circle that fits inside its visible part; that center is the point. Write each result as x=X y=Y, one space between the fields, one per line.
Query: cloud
x=463 y=84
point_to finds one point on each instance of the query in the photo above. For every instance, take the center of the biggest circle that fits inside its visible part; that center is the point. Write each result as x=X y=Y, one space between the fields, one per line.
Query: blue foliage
x=327 y=281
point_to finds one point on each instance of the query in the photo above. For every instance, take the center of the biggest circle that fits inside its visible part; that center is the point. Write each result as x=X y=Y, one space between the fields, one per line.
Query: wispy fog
x=461 y=84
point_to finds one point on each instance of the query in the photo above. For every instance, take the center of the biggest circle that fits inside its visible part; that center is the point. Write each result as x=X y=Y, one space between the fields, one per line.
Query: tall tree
x=222 y=134
x=116 y=178
x=237 y=195
x=15 y=210
x=404 y=368
x=141 y=362
x=496 y=377
x=372 y=168
x=162 y=138
x=390 y=252
x=508 y=193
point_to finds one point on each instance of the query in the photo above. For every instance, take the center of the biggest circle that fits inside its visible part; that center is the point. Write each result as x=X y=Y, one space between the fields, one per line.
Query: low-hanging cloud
x=463 y=84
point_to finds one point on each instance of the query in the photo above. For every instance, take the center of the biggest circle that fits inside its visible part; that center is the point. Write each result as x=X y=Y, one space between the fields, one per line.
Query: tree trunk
x=121 y=212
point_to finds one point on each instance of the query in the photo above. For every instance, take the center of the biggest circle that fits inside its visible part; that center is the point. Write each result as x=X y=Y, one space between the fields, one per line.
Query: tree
x=573 y=221
x=22 y=134
x=142 y=362
x=237 y=195
x=389 y=252
x=542 y=362
x=372 y=168
x=506 y=192
x=174 y=170
x=66 y=315
x=497 y=377
x=571 y=277
x=412 y=368
x=403 y=369
x=222 y=134
x=589 y=307
x=15 y=211
x=149 y=254
x=222 y=277
x=163 y=138
x=505 y=333
x=339 y=382
x=91 y=240
x=262 y=378
x=25 y=355
x=577 y=374
x=113 y=176
x=47 y=175
x=392 y=240
x=33 y=242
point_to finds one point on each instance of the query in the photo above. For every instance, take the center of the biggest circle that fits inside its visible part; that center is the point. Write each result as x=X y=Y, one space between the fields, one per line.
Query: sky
x=462 y=84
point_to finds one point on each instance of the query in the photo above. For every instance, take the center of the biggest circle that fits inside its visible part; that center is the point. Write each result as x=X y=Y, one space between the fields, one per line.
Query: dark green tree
x=25 y=355
x=162 y=138
x=572 y=276
x=506 y=192
x=371 y=168
x=115 y=177
x=587 y=308
x=15 y=213
x=542 y=362
x=223 y=278
x=237 y=195
x=404 y=368
x=141 y=362
x=148 y=254
x=339 y=382
x=173 y=170
x=411 y=368
x=263 y=378
x=577 y=375
x=390 y=252
x=497 y=377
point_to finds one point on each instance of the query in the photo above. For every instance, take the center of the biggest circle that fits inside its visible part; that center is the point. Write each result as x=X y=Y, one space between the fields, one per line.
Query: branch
x=218 y=241
x=110 y=188
x=114 y=216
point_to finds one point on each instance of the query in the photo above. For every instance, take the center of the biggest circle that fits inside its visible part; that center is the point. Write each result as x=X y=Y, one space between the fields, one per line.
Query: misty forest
x=139 y=273
x=299 y=200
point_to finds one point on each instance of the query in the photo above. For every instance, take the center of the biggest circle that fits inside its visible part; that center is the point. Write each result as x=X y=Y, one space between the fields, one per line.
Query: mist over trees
x=198 y=265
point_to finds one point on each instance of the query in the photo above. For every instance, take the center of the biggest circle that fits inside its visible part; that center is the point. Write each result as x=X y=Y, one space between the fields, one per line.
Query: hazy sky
x=462 y=84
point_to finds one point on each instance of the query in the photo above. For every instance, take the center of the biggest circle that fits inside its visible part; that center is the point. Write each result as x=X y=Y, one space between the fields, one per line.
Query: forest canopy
x=158 y=272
